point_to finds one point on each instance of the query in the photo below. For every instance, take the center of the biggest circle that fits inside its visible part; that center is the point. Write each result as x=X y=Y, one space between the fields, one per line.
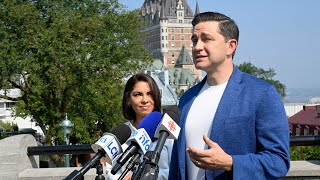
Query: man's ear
x=232 y=43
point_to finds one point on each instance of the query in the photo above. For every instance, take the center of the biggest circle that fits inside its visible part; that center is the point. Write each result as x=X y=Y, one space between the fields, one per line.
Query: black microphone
x=108 y=146
x=167 y=129
x=139 y=140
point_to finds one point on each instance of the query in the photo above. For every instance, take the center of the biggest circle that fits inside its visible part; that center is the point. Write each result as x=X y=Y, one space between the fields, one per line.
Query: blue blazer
x=250 y=125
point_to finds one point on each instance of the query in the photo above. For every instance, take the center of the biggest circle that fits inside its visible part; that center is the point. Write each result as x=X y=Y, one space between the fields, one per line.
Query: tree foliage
x=69 y=57
x=305 y=153
x=266 y=75
x=7 y=127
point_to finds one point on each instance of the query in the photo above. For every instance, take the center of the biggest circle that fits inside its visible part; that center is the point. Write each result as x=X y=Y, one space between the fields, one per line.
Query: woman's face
x=141 y=100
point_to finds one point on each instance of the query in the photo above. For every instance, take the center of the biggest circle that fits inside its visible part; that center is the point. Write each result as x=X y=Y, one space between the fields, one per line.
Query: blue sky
x=279 y=34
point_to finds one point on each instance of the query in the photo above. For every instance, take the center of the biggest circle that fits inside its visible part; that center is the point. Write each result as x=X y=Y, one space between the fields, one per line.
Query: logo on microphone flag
x=171 y=125
x=142 y=138
x=108 y=144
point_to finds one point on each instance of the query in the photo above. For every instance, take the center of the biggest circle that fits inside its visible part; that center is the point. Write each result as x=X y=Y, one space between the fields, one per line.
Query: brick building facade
x=168 y=38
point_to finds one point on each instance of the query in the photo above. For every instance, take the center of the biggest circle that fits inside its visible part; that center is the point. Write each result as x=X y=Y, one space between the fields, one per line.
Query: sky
x=279 y=34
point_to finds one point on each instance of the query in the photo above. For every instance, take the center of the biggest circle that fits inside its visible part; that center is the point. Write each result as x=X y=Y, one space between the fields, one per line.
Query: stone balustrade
x=15 y=164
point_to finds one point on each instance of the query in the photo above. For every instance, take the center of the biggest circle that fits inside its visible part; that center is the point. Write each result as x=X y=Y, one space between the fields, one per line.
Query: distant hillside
x=301 y=95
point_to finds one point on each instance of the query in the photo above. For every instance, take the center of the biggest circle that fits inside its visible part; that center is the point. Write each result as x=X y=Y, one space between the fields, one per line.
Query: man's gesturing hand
x=213 y=158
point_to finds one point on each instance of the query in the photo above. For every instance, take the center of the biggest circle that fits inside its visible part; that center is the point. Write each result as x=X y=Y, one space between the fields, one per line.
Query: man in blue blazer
x=233 y=125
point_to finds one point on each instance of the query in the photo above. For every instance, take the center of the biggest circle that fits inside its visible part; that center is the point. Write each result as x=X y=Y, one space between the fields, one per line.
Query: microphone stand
x=78 y=175
x=99 y=172
x=146 y=159
x=134 y=161
x=149 y=169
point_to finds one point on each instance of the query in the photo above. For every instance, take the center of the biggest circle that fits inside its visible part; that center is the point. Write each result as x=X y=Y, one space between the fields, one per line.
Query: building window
x=2 y=105
x=163 y=45
x=172 y=55
x=297 y=131
x=172 y=37
x=172 y=61
x=180 y=13
x=166 y=37
x=172 y=30
x=181 y=30
x=315 y=132
x=172 y=44
x=161 y=30
x=10 y=104
x=305 y=131
x=162 y=37
x=182 y=38
x=180 y=21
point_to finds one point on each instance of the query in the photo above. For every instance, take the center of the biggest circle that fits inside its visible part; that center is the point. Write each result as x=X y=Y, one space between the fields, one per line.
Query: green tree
x=69 y=57
x=7 y=127
x=266 y=75
x=305 y=153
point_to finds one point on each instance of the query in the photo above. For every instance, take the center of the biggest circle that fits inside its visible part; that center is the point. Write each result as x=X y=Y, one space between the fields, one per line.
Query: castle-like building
x=168 y=38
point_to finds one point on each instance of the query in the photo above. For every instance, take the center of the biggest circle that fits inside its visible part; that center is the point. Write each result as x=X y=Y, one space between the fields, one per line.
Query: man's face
x=209 y=46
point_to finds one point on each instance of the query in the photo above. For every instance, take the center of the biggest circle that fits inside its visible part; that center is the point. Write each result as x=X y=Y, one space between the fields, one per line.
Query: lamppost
x=1 y=130
x=67 y=126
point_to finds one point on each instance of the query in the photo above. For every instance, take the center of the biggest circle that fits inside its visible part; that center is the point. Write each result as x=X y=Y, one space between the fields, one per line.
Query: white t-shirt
x=198 y=123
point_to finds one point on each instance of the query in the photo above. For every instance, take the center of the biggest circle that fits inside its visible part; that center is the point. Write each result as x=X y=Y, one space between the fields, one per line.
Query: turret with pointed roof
x=162 y=12
x=184 y=58
x=197 y=9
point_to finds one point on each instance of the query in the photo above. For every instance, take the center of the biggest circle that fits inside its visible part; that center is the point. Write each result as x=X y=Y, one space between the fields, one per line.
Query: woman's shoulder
x=169 y=143
x=132 y=128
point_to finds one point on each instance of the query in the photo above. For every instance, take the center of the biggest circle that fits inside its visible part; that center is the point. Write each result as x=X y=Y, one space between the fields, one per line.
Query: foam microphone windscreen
x=150 y=123
x=173 y=112
x=122 y=132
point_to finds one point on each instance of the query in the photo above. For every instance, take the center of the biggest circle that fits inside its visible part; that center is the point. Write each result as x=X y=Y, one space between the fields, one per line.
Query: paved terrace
x=15 y=164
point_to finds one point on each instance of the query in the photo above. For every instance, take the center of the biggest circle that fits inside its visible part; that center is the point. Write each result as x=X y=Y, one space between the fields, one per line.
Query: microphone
x=167 y=129
x=108 y=146
x=110 y=143
x=139 y=140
